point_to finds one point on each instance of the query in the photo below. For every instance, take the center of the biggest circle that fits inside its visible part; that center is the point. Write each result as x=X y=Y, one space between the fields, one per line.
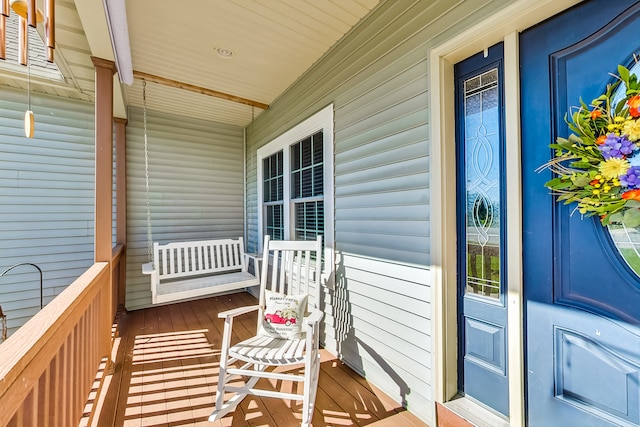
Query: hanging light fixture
x=20 y=8
x=30 y=16
x=29 y=122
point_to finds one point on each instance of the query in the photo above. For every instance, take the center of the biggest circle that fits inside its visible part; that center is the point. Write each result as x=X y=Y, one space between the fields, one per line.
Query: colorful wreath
x=598 y=166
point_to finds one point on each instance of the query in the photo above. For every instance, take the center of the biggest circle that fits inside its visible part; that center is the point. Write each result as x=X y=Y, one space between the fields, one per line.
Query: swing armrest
x=148 y=268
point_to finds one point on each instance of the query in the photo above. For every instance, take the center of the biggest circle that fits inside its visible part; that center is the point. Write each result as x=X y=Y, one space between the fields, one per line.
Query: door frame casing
x=502 y=26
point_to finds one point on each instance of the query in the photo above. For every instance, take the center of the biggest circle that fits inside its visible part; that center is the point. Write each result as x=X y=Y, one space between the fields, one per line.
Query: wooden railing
x=47 y=367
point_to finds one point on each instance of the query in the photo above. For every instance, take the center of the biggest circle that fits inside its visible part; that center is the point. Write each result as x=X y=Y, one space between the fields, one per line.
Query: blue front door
x=481 y=223
x=582 y=301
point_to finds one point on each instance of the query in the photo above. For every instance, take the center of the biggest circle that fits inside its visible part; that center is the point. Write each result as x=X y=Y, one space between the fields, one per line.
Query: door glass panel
x=627 y=240
x=482 y=171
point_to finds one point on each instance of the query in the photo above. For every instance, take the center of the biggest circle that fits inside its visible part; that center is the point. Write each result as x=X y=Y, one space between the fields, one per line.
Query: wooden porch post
x=104 y=71
x=121 y=200
x=104 y=157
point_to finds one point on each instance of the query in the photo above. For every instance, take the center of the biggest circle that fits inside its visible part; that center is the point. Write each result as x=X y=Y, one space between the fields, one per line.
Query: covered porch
x=390 y=309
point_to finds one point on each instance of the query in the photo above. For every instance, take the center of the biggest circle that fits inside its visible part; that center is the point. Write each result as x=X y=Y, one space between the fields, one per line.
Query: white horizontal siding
x=196 y=188
x=47 y=199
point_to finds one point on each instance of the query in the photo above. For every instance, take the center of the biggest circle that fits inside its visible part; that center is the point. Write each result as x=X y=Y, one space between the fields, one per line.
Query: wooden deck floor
x=166 y=372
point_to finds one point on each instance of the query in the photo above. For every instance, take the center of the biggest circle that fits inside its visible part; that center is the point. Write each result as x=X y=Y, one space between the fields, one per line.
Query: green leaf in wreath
x=575 y=139
x=623 y=72
x=581 y=180
x=599 y=100
x=553 y=182
x=583 y=164
x=561 y=143
x=632 y=84
x=631 y=218
x=562 y=185
x=615 y=218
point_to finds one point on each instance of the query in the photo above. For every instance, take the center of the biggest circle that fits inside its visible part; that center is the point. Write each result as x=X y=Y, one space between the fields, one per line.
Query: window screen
x=273 y=194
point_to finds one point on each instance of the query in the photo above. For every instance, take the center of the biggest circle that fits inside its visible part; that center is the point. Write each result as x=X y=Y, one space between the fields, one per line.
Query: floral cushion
x=283 y=315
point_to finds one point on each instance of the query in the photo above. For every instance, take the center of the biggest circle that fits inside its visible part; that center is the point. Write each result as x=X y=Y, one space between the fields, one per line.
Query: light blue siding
x=46 y=199
x=196 y=187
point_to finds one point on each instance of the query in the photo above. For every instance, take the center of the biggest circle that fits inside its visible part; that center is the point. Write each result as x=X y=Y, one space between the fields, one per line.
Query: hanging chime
x=30 y=16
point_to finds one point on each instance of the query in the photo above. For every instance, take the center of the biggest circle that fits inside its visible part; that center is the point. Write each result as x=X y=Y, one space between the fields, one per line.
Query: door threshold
x=472 y=413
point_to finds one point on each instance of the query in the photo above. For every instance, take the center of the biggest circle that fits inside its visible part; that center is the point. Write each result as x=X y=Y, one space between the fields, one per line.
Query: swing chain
x=146 y=172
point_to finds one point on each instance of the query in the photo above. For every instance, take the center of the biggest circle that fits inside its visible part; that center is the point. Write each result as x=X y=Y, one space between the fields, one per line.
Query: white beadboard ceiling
x=274 y=41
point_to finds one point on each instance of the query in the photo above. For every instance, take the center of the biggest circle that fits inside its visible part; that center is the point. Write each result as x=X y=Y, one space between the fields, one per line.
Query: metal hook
x=3 y=317
x=33 y=265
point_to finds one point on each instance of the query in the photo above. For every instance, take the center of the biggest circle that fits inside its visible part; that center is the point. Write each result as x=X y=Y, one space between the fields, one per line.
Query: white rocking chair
x=295 y=273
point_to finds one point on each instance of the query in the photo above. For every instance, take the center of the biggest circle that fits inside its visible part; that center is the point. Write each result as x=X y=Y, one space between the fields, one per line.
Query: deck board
x=167 y=368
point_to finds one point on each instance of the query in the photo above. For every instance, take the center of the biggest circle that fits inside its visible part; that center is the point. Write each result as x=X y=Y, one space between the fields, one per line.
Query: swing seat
x=183 y=270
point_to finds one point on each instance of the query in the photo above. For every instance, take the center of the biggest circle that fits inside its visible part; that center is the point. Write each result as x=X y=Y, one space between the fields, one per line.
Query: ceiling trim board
x=197 y=89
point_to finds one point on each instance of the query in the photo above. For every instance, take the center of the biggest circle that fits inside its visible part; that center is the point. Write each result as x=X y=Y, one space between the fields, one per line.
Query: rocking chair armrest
x=238 y=311
x=148 y=268
x=314 y=318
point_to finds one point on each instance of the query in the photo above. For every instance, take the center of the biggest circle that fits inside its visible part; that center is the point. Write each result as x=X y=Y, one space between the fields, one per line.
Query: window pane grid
x=273 y=178
x=275 y=221
x=309 y=220
x=307 y=174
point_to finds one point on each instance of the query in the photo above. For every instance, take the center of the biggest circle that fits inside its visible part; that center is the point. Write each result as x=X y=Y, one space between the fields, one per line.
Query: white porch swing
x=191 y=269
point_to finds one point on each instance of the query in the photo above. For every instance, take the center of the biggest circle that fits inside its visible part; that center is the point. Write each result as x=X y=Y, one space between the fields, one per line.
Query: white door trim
x=502 y=26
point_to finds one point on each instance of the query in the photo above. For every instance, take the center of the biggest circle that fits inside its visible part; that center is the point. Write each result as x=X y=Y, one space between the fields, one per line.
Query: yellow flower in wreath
x=614 y=167
x=632 y=129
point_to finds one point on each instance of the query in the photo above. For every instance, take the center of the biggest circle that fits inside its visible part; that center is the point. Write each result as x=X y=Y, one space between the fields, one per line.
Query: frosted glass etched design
x=482 y=171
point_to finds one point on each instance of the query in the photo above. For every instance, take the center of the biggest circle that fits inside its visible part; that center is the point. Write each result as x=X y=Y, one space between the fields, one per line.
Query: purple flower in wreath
x=615 y=146
x=632 y=178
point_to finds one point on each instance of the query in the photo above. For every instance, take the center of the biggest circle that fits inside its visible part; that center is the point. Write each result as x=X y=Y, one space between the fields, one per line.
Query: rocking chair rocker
x=287 y=333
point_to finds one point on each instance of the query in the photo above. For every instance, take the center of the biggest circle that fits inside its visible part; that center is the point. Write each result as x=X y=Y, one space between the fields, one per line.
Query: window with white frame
x=295 y=176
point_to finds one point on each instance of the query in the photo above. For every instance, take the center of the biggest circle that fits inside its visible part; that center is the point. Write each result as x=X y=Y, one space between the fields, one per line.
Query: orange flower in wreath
x=600 y=140
x=595 y=114
x=631 y=195
x=634 y=106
